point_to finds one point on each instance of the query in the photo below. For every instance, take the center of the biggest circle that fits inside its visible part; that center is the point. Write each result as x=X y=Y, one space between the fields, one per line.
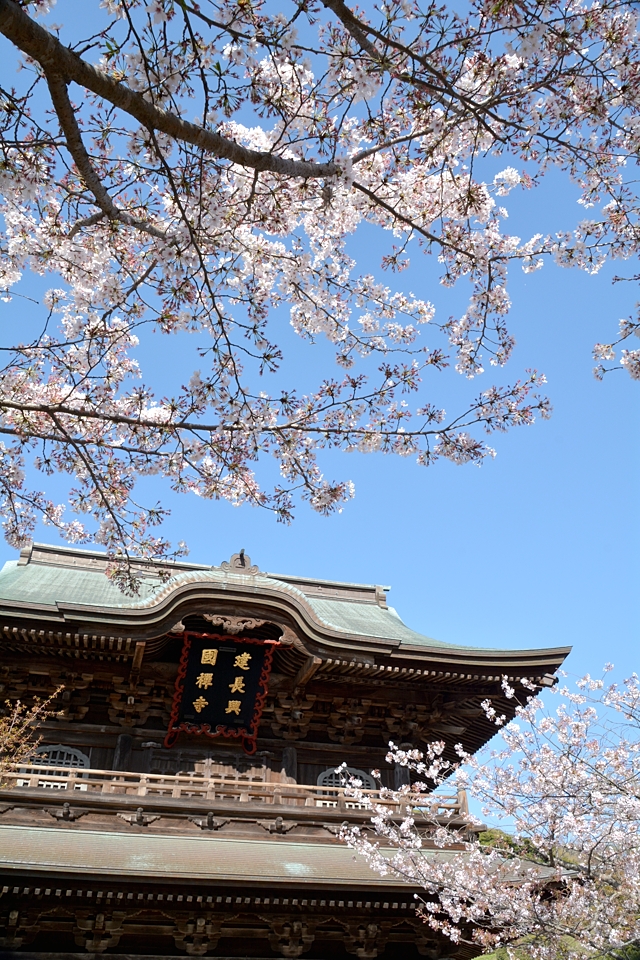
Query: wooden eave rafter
x=14 y=639
x=441 y=669
x=441 y=665
x=112 y=630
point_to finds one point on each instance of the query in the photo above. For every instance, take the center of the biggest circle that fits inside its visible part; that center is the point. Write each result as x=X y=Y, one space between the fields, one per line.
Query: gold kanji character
x=233 y=707
x=237 y=686
x=204 y=680
x=242 y=661
x=209 y=656
x=200 y=703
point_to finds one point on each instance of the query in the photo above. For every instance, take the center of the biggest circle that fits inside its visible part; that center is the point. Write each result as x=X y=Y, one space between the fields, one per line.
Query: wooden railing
x=196 y=786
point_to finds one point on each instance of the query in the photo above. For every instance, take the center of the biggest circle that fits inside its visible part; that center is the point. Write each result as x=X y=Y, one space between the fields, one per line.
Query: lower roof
x=163 y=857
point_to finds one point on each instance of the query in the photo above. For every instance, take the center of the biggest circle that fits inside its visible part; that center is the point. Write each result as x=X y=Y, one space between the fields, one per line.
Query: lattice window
x=57 y=755
x=332 y=779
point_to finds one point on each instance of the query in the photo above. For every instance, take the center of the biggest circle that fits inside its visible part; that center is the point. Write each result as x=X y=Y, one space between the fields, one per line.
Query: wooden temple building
x=184 y=800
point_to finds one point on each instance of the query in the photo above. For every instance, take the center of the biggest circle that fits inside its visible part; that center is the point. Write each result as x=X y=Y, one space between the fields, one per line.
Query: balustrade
x=198 y=786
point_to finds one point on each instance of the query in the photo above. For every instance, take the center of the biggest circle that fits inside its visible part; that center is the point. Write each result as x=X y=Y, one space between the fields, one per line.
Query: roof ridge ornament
x=240 y=563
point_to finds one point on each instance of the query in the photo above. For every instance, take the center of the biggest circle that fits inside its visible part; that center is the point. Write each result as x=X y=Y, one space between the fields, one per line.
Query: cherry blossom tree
x=184 y=166
x=562 y=879
x=18 y=726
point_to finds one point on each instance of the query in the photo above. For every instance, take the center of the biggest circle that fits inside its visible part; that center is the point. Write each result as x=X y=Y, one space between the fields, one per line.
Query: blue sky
x=536 y=548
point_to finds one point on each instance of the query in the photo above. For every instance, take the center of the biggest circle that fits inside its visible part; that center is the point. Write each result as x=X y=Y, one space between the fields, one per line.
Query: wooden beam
x=137 y=663
x=306 y=671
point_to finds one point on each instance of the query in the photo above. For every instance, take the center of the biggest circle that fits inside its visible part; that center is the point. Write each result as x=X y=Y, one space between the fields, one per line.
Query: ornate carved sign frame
x=221 y=687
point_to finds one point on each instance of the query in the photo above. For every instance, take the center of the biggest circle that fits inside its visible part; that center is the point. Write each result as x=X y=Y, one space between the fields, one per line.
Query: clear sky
x=536 y=548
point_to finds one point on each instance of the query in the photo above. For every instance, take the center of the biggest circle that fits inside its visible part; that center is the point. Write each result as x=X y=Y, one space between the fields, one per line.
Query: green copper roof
x=51 y=585
x=70 y=587
x=368 y=620
x=276 y=861
x=56 y=578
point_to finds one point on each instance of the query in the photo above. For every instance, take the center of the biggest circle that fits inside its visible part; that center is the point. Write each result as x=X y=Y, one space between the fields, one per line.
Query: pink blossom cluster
x=202 y=168
x=561 y=877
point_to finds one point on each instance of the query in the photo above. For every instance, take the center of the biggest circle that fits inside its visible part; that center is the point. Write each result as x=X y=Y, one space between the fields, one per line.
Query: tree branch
x=445 y=94
x=355 y=28
x=55 y=58
x=431 y=237
x=82 y=160
x=170 y=428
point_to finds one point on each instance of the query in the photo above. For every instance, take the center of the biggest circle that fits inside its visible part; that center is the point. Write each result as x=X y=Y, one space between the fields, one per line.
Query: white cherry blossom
x=203 y=167
x=561 y=878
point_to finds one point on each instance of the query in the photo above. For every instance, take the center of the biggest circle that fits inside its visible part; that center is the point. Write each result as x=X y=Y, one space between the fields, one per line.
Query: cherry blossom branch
x=402 y=218
x=561 y=875
x=75 y=146
x=227 y=224
x=54 y=57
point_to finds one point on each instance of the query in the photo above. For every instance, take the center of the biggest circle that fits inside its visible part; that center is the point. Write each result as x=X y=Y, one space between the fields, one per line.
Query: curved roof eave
x=68 y=589
x=156 y=615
